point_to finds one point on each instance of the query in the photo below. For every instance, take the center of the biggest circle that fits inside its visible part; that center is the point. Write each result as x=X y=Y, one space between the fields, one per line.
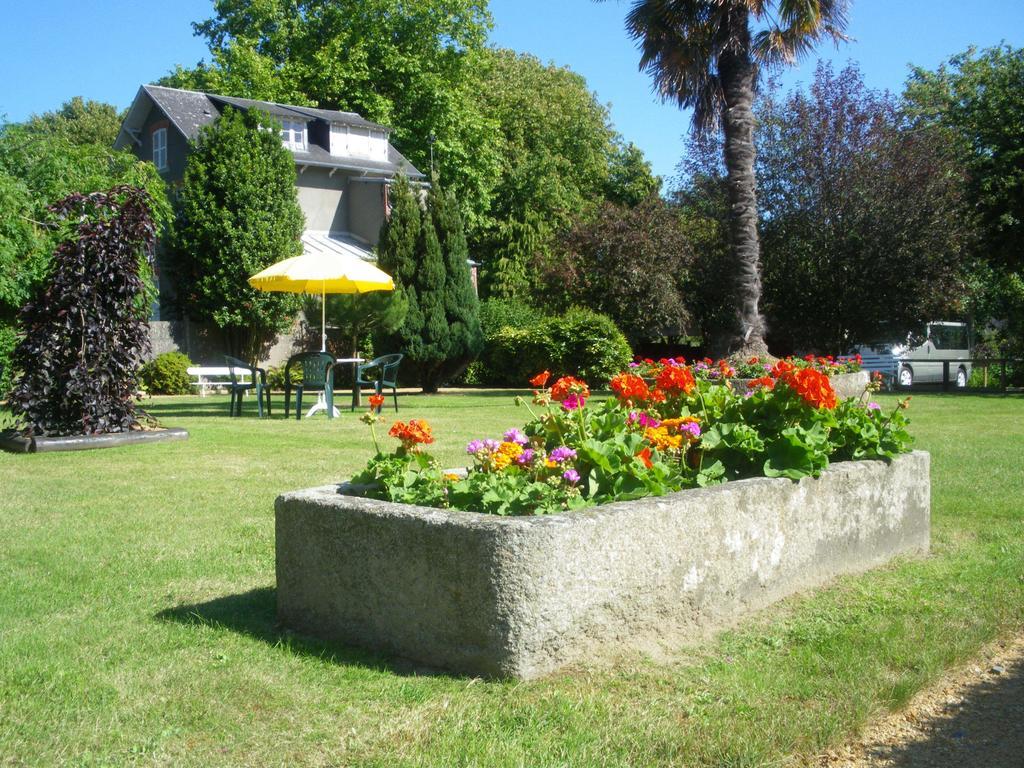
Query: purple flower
x=634 y=365
x=562 y=453
x=571 y=476
x=526 y=457
x=517 y=437
x=873 y=406
x=491 y=444
x=474 y=447
x=691 y=428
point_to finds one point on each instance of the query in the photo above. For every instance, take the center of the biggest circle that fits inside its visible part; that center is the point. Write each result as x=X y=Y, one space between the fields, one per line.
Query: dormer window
x=358 y=142
x=160 y=149
x=293 y=135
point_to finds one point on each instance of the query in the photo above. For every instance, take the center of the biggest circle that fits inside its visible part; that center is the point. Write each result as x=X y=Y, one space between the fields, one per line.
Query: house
x=343 y=166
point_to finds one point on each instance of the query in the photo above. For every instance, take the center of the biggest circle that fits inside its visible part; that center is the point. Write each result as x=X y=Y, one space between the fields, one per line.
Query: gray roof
x=189 y=111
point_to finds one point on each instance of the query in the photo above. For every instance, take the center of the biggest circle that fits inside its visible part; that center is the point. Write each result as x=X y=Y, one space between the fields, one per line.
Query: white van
x=920 y=360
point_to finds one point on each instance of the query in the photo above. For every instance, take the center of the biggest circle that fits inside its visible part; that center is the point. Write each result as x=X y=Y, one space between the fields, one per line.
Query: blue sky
x=51 y=51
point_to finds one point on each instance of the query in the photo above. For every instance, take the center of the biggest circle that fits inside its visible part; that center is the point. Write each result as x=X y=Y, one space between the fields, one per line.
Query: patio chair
x=317 y=374
x=379 y=373
x=257 y=383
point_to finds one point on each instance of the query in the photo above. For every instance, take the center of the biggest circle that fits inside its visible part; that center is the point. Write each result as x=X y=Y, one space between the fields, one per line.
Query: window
x=160 y=149
x=293 y=134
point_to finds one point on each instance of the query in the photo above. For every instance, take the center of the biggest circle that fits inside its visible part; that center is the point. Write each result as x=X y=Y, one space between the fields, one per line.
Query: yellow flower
x=507 y=453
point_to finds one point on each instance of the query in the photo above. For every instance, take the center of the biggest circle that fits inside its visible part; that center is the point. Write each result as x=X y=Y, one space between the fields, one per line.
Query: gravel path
x=974 y=718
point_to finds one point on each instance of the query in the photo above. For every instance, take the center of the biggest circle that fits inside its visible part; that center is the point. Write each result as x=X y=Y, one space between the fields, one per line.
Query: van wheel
x=906 y=376
x=961 y=378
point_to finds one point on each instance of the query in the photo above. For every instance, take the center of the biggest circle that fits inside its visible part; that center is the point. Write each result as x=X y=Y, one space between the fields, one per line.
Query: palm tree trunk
x=738 y=76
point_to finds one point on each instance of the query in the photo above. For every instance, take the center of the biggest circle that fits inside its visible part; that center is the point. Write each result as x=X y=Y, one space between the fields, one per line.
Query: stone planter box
x=522 y=596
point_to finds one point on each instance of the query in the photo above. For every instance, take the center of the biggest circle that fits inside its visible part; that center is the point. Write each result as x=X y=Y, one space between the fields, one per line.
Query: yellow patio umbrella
x=328 y=265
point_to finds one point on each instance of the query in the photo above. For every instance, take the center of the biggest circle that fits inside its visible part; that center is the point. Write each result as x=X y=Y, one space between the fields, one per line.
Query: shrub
x=8 y=340
x=167 y=374
x=521 y=341
x=586 y=344
x=85 y=330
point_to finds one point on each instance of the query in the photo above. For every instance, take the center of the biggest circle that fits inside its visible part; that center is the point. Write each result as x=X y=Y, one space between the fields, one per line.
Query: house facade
x=343 y=167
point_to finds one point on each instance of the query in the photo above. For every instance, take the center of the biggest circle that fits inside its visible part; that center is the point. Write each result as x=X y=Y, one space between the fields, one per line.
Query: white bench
x=215 y=376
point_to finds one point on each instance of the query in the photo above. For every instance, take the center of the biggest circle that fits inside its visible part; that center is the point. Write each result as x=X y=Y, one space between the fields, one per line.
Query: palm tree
x=706 y=54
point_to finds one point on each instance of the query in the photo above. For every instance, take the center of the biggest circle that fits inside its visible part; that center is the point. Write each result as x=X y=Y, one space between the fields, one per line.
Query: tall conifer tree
x=461 y=307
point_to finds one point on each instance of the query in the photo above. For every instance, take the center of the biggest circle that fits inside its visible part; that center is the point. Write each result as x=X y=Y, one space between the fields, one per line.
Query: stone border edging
x=14 y=443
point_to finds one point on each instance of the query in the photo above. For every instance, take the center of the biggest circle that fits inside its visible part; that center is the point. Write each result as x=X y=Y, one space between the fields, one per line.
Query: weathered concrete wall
x=520 y=597
x=204 y=345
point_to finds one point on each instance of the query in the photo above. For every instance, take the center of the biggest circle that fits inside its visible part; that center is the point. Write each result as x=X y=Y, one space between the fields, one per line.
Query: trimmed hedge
x=167 y=374
x=519 y=342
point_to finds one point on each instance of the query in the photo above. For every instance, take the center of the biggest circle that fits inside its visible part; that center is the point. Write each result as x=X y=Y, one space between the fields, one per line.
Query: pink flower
x=573 y=401
x=571 y=476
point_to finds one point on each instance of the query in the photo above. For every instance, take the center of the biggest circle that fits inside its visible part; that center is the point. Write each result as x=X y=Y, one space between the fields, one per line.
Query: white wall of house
x=366 y=143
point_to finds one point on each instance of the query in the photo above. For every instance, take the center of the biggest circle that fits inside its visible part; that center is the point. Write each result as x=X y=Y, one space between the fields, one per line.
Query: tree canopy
x=865 y=227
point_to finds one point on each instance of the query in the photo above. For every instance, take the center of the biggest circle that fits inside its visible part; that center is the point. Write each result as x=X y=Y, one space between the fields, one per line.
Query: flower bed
x=669 y=426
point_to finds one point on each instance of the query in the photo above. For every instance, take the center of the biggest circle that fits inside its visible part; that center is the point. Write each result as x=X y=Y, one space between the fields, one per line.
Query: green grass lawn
x=137 y=617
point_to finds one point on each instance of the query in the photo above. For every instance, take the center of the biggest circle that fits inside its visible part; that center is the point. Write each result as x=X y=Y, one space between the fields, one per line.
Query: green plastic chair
x=257 y=383
x=380 y=373
x=317 y=374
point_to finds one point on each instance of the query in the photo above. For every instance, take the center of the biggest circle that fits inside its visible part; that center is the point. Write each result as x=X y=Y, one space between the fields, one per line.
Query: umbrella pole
x=323 y=316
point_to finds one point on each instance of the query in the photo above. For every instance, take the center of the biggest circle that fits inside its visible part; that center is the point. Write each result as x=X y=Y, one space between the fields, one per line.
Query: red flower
x=676 y=379
x=567 y=385
x=765 y=382
x=813 y=387
x=416 y=432
x=630 y=388
x=645 y=457
x=376 y=401
x=541 y=379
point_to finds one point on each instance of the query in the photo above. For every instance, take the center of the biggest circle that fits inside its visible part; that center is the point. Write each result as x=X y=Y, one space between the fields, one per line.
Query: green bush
x=8 y=340
x=167 y=374
x=580 y=342
x=495 y=314
x=275 y=377
x=587 y=344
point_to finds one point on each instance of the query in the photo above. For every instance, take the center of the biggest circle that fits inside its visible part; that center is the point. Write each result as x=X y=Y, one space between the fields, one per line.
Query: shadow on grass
x=254 y=613
x=984 y=728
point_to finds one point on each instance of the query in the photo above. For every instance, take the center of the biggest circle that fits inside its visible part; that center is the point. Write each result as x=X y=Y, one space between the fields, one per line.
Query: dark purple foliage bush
x=85 y=332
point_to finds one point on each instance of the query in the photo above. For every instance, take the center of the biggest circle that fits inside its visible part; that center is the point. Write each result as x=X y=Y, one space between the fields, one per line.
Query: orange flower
x=630 y=388
x=507 y=453
x=645 y=457
x=675 y=379
x=540 y=379
x=569 y=385
x=416 y=432
x=765 y=382
x=376 y=401
x=781 y=368
x=813 y=387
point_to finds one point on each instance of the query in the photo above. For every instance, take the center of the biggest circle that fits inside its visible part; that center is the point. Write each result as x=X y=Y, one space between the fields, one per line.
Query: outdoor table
x=321 y=399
